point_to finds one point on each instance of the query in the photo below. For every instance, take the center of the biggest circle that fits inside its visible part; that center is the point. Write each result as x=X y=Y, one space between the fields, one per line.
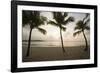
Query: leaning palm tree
x=60 y=19
x=81 y=26
x=34 y=20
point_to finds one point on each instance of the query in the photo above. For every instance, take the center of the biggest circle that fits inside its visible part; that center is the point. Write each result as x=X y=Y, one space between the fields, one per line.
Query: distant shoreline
x=38 y=43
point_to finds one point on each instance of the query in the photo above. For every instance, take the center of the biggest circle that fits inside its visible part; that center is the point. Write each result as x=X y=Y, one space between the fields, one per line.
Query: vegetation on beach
x=81 y=26
x=34 y=20
x=60 y=21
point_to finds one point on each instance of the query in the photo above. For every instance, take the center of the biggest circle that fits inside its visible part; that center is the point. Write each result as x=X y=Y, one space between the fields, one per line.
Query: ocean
x=54 y=43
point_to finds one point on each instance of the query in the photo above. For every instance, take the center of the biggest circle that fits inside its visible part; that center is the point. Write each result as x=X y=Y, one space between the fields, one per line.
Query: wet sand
x=55 y=53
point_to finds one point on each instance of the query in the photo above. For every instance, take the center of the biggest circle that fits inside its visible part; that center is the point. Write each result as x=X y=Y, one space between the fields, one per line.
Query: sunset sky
x=53 y=32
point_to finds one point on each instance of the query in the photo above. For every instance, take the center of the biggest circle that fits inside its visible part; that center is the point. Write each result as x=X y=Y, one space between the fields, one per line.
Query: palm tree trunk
x=29 y=42
x=62 y=40
x=86 y=48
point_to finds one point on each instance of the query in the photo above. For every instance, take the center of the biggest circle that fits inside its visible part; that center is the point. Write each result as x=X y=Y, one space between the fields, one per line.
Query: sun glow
x=53 y=32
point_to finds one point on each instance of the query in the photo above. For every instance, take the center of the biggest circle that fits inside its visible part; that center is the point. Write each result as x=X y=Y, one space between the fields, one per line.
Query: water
x=54 y=43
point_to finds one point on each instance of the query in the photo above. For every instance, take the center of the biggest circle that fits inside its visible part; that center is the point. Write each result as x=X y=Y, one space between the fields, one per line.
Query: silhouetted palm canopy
x=34 y=20
x=82 y=25
x=60 y=19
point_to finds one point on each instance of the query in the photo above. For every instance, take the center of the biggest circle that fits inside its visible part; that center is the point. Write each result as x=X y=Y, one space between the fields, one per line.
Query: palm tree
x=59 y=20
x=81 y=26
x=34 y=20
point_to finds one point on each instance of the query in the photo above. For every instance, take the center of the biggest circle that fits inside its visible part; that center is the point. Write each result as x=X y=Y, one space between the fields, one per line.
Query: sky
x=53 y=32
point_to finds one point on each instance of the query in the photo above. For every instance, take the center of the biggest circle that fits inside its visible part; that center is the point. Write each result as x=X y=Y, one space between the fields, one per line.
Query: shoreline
x=38 y=54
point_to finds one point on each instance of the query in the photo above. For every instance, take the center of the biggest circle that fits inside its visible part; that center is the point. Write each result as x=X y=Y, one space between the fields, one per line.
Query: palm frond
x=39 y=21
x=87 y=14
x=52 y=23
x=70 y=19
x=25 y=18
x=87 y=27
x=43 y=18
x=65 y=14
x=77 y=28
x=80 y=24
x=76 y=33
x=41 y=30
x=59 y=16
x=86 y=22
x=63 y=28
x=54 y=15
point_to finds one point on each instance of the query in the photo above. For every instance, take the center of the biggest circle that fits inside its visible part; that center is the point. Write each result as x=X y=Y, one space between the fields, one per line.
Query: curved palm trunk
x=62 y=40
x=29 y=42
x=86 y=48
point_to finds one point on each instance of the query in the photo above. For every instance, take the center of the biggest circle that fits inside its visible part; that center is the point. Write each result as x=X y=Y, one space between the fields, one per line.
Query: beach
x=55 y=53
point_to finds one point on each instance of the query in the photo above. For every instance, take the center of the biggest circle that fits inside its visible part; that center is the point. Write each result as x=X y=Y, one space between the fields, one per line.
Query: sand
x=55 y=53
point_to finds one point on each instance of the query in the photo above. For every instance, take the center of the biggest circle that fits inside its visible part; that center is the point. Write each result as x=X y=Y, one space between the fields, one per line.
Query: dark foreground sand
x=55 y=53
